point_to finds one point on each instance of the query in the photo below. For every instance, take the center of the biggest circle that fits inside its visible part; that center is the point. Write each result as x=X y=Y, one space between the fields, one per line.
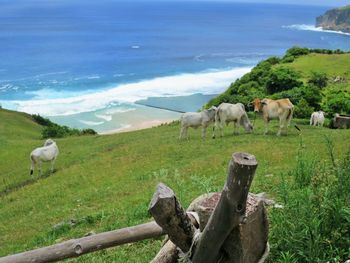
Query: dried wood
x=230 y=210
x=78 y=247
x=169 y=214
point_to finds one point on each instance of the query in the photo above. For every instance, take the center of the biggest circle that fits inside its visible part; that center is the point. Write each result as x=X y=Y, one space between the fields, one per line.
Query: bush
x=302 y=109
x=41 y=120
x=297 y=51
x=53 y=130
x=337 y=100
x=318 y=79
x=282 y=79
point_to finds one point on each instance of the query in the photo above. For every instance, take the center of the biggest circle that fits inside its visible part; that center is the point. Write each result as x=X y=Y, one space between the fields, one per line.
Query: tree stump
x=250 y=237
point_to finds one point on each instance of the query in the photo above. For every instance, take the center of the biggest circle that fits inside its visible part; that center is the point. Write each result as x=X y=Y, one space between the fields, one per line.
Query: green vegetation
x=53 y=130
x=106 y=182
x=312 y=79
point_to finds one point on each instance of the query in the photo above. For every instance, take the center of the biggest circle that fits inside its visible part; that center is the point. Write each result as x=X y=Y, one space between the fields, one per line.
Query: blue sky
x=335 y=3
x=331 y=3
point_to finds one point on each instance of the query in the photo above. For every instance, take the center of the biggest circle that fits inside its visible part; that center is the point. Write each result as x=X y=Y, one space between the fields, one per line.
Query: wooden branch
x=230 y=210
x=170 y=215
x=78 y=247
x=167 y=254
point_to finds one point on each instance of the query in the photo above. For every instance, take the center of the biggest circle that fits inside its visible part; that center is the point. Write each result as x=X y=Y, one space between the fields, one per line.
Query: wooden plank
x=78 y=247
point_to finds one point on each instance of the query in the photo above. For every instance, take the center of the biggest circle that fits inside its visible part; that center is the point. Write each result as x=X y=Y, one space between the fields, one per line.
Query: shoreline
x=140 y=126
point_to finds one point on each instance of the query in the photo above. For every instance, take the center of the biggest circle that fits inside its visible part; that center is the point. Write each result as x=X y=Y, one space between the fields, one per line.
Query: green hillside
x=312 y=79
x=106 y=182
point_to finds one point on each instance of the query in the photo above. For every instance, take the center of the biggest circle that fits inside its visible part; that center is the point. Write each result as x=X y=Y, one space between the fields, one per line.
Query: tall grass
x=314 y=225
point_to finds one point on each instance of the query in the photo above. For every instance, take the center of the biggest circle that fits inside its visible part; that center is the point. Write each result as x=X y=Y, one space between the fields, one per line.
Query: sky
x=333 y=3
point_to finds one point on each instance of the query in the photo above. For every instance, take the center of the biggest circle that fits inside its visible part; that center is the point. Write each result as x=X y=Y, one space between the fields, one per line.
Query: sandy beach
x=139 y=126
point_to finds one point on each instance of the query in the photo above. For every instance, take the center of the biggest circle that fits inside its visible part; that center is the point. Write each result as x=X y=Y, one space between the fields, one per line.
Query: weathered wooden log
x=230 y=210
x=167 y=254
x=169 y=251
x=247 y=242
x=253 y=235
x=78 y=247
x=170 y=215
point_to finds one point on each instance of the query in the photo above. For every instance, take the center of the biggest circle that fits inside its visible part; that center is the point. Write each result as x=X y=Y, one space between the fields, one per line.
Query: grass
x=332 y=65
x=106 y=182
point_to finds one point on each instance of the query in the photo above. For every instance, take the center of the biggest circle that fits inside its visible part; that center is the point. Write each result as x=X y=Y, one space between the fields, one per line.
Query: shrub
x=297 y=51
x=337 y=99
x=282 y=79
x=302 y=109
x=53 y=130
x=318 y=79
x=41 y=120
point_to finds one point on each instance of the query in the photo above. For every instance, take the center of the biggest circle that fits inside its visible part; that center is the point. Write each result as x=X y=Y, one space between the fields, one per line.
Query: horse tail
x=290 y=111
x=32 y=164
x=217 y=116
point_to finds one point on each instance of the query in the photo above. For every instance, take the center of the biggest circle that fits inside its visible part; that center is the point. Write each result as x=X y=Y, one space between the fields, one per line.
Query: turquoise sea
x=86 y=63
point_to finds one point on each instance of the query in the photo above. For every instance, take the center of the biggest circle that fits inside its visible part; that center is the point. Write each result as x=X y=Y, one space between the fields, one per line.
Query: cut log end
x=245 y=159
x=163 y=193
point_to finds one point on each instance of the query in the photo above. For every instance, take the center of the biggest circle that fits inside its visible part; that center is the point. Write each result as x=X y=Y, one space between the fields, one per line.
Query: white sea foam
x=104 y=117
x=92 y=123
x=120 y=110
x=313 y=28
x=211 y=82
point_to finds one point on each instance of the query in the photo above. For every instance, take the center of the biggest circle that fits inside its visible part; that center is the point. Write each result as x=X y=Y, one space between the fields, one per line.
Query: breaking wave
x=313 y=28
x=210 y=82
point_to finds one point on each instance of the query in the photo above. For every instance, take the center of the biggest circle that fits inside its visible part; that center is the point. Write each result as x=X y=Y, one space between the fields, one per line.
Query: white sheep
x=47 y=153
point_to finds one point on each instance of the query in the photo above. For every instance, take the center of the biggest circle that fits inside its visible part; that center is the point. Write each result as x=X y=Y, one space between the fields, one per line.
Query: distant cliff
x=336 y=19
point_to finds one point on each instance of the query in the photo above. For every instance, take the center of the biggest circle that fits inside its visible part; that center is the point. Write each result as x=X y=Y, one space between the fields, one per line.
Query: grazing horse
x=281 y=109
x=317 y=118
x=47 y=153
x=235 y=113
x=197 y=119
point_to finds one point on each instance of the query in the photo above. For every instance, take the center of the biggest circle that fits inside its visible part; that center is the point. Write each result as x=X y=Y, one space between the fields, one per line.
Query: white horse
x=317 y=118
x=47 y=153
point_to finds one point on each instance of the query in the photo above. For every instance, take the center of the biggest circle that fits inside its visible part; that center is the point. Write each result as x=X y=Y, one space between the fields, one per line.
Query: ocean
x=85 y=63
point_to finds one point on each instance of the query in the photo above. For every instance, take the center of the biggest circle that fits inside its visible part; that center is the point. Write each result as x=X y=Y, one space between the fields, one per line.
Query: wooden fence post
x=170 y=215
x=230 y=209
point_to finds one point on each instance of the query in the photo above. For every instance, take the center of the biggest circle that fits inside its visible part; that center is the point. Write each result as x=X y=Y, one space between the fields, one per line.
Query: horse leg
x=281 y=126
x=221 y=128
x=214 y=129
x=236 y=127
x=185 y=133
x=52 y=164
x=204 y=129
x=39 y=168
x=266 y=126
x=182 y=133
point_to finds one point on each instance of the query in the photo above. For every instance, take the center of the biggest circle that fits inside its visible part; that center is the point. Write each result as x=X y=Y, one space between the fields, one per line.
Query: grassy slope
x=106 y=182
x=333 y=65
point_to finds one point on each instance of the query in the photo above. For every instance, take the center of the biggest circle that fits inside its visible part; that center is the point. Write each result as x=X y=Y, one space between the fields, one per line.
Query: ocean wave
x=313 y=28
x=6 y=87
x=50 y=73
x=119 y=110
x=87 y=77
x=209 y=82
x=104 y=117
x=92 y=123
